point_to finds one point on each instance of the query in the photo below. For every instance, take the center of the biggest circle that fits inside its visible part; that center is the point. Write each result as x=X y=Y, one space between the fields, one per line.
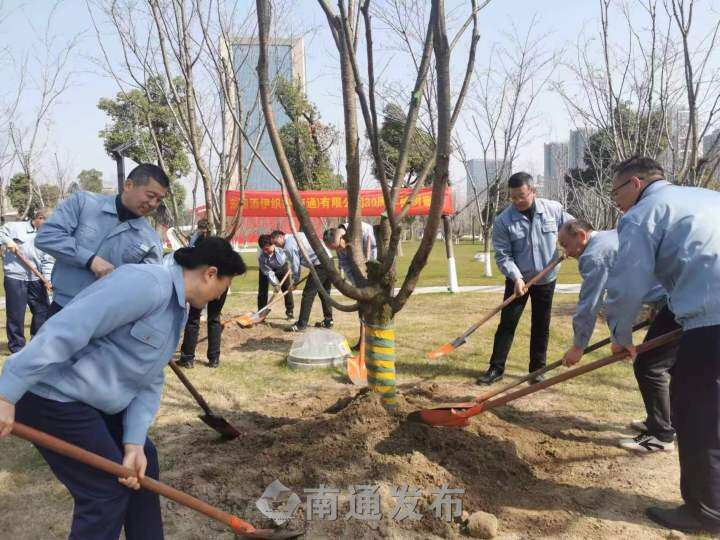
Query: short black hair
x=214 y=251
x=638 y=165
x=203 y=224
x=264 y=240
x=520 y=179
x=145 y=172
x=276 y=233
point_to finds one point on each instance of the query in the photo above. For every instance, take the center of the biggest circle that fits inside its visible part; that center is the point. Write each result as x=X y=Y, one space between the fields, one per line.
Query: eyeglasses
x=614 y=191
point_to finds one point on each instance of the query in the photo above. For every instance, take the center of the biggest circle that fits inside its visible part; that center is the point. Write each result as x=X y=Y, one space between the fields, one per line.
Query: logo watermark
x=279 y=503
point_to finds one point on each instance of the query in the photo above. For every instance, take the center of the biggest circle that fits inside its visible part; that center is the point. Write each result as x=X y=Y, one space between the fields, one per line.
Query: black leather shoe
x=214 y=363
x=681 y=518
x=536 y=379
x=491 y=375
x=186 y=362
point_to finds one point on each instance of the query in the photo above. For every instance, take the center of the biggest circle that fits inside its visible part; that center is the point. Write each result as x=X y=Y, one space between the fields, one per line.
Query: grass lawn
x=470 y=272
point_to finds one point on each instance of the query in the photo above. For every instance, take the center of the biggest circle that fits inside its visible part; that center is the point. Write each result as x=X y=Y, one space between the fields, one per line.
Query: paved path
x=562 y=288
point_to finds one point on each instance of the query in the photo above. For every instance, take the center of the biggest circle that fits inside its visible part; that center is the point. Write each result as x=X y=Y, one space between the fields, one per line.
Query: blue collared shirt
x=594 y=264
x=108 y=347
x=523 y=248
x=85 y=225
x=295 y=256
x=23 y=234
x=672 y=234
x=268 y=264
x=369 y=244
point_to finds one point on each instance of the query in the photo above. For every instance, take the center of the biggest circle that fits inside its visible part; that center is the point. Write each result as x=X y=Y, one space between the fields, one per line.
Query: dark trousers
x=695 y=402
x=20 y=294
x=53 y=309
x=264 y=282
x=541 y=298
x=103 y=506
x=653 y=377
x=308 y=297
x=192 y=329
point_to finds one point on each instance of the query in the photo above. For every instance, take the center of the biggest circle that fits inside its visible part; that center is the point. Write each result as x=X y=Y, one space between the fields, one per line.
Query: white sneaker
x=638 y=425
x=647 y=443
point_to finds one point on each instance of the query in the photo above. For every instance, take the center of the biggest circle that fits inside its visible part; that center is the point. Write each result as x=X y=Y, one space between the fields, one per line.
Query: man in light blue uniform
x=273 y=266
x=672 y=234
x=90 y=235
x=93 y=376
x=596 y=252
x=289 y=244
x=23 y=288
x=334 y=239
x=525 y=238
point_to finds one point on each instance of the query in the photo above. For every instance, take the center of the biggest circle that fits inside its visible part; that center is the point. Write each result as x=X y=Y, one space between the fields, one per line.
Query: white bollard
x=452 y=276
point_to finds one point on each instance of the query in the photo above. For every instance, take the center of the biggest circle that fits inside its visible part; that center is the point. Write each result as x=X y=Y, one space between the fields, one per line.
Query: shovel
x=238 y=526
x=459 y=415
x=462 y=339
x=248 y=320
x=27 y=264
x=542 y=371
x=356 y=368
x=218 y=423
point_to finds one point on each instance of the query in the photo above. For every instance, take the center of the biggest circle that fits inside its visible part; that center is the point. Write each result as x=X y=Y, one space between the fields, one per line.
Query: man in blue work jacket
x=596 y=252
x=672 y=234
x=289 y=243
x=24 y=289
x=273 y=266
x=94 y=376
x=90 y=235
x=525 y=238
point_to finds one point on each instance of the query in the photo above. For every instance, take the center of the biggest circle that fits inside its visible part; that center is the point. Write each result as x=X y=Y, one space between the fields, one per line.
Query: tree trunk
x=380 y=351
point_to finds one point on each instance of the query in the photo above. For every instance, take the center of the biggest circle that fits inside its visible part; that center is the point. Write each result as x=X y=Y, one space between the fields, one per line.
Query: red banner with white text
x=332 y=203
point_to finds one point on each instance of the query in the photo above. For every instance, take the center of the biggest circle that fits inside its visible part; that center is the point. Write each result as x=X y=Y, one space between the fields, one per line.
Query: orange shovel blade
x=441 y=351
x=357 y=370
x=246 y=321
x=440 y=418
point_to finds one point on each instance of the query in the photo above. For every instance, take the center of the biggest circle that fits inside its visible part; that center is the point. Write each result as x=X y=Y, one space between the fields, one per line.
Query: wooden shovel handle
x=27 y=264
x=186 y=382
x=595 y=346
x=510 y=299
x=571 y=373
x=115 y=469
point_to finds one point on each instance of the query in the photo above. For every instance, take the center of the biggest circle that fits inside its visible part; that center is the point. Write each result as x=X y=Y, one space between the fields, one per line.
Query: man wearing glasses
x=672 y=234
x=525 y=238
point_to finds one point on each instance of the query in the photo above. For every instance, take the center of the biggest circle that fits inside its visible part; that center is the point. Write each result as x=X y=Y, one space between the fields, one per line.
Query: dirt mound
x=354 y=441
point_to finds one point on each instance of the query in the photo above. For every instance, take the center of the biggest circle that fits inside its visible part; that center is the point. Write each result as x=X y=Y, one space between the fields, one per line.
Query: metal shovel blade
x=440 y=417
x=445 y=349
x=220 y=425
x=272 y=534
x=357 y=370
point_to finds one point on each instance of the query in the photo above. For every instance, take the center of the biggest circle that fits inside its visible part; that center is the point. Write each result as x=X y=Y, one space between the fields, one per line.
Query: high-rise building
x=711 y=145
x=577 y=143
x=480 y=172
x=555 y=160
x=286 y=59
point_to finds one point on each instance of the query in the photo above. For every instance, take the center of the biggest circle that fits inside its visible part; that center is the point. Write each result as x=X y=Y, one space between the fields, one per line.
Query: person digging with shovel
x=525 y=241
x=596 y=252
x=334 y=239
x=671 y=234
x=94 y=374
x=273 y=266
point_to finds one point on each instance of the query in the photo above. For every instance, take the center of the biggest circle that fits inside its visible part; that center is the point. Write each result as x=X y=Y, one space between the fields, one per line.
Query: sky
x=77 y=121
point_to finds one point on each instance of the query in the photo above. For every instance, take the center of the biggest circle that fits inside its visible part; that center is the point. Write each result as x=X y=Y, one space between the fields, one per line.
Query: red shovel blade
x=439 y=418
